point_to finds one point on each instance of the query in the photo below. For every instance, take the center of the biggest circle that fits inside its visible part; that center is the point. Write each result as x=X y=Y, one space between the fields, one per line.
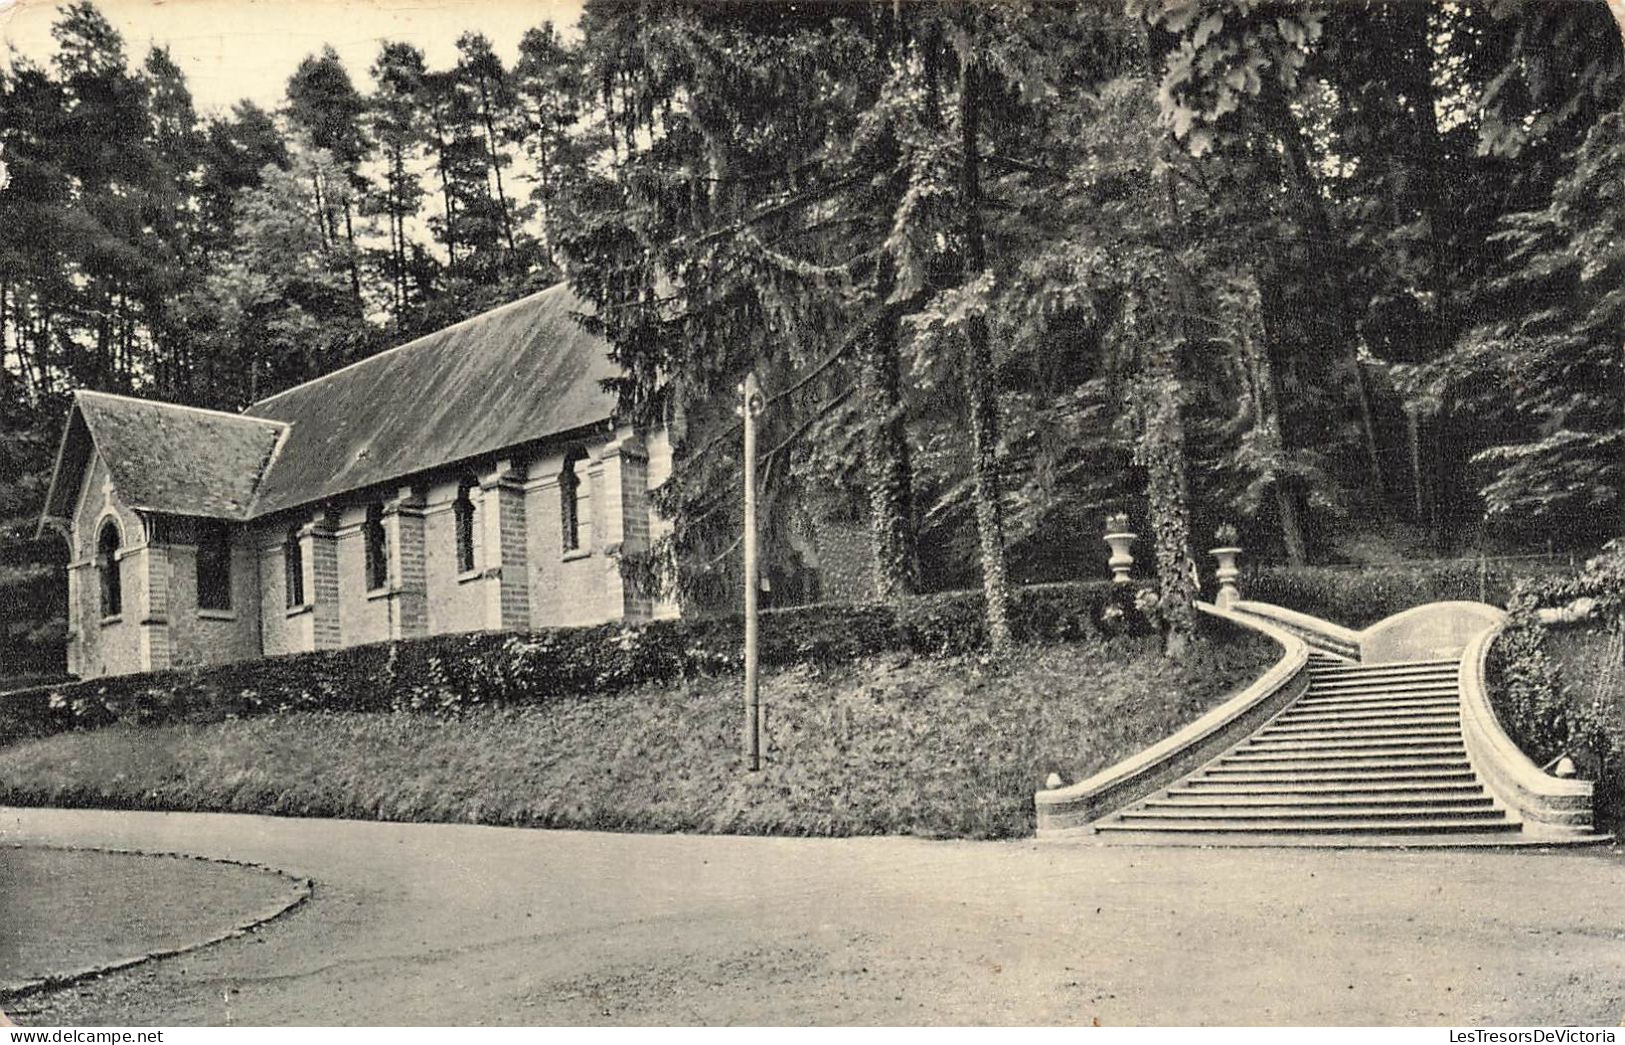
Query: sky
x=231 y=49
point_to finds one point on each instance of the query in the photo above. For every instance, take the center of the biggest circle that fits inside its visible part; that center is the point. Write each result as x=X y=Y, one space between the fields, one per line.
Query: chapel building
x=477 y=478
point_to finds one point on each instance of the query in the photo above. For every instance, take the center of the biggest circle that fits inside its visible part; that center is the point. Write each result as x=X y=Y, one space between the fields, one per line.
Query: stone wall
x=566 y=587
x=456 y=601
x=199 y=636
x=282 y=629
x=363 y=614
x=98 y=646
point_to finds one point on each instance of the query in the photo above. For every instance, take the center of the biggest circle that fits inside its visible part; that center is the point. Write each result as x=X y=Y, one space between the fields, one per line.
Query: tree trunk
x=887 y=466
x=1162 y=447
x=980 y=386
x=496 y=169
x=1267 y=399
x=545 y=178
x=5 y=316
x=445 y=192
x=1414 y=439
x=355 y=270
x=1368 y=428
x=1162 y=452
x=1286 y=506
x=1323 y=231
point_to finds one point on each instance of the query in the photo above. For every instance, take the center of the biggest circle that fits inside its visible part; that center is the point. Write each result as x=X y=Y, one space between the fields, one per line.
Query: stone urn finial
x=1227 y=547
x=1119 y=537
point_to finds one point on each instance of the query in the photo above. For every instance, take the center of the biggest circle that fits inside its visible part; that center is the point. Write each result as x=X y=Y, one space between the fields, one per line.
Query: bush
x=1542 y=715
x=1532 y=686
x=1360 y=598
x=446 y=674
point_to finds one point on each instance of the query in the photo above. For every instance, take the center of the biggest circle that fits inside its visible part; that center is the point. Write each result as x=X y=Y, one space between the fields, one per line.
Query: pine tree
x=325 y=105
x=398 y=126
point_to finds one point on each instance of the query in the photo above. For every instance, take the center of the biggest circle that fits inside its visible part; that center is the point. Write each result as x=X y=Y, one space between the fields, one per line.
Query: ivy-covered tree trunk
x=1161 y=448
x=1161 y=451
x=1617 y=8
x=889 y=472
x=981 y=388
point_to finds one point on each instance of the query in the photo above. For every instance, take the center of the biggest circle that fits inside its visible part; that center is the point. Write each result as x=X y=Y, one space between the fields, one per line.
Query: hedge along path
x=303 y=889
x=446 y=674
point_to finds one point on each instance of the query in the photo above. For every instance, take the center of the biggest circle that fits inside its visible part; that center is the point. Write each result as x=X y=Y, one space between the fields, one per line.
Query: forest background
x=1345 y=276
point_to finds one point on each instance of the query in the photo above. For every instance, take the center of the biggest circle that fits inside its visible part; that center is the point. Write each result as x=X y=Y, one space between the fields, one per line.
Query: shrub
x=1534 y=702
x=446 y=674
x=1359 y=598
x=1534 y=694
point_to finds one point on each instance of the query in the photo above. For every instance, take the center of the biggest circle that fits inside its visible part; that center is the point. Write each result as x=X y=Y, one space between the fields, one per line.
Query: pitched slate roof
x=514 y=375
x=165 y=458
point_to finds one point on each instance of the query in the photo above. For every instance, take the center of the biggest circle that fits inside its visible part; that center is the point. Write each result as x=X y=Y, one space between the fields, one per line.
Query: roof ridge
x=401 y=347
x=78 y=392
x=265 y=468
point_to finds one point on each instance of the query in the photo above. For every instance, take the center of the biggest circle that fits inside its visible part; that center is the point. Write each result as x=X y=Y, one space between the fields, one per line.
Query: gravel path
x=447 y=924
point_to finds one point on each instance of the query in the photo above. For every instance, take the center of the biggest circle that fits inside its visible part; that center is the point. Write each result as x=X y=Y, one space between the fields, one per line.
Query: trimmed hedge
x=448 y=673
x=1360 y=598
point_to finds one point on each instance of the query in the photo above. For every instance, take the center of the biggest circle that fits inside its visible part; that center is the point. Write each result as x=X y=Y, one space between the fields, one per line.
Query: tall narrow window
x=372 y=532
x=293 y=563
x=107 y=544
x=464 y=511
x=213 y=566
x=570 y=501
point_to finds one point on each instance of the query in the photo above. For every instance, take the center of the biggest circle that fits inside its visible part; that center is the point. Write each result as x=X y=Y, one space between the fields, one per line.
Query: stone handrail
x=1432 y=631
x=1549 y=806
x=1321 y=634
x=1190 y=748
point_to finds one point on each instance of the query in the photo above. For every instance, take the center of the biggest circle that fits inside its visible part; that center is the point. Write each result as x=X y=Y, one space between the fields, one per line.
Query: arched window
x=293 y=564
x=570 y=500
x=213 y=566
x=464 y=511
x=372 y=532
x=107 y=545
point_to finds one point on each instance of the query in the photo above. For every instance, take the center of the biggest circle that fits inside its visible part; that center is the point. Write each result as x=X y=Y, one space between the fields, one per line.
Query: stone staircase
x=1368 y=751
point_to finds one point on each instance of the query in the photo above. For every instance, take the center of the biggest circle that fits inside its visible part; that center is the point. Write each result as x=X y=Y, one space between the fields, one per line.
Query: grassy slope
x=943 y=747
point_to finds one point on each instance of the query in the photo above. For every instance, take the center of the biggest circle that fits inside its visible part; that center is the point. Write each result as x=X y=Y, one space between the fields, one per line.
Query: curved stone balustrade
x=1436 y=631
x=1548 y=806
x=1175 y=756
x=1319 y=634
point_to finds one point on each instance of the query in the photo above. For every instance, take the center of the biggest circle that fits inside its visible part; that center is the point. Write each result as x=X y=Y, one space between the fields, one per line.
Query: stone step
x=1321 y=682
x=1407 y=689
x=1302 y=721
x=1398 y=760
x=1371 y=739
x=1372 y=709
x=1419 y=826
x=1371 y=728
x=1266 y=803
x=1401 y=665
x=1368 y=812
x=1416 y=667
x=1352 y=786
x=1338 y=750
x=1226 y=776
x=1379 y=701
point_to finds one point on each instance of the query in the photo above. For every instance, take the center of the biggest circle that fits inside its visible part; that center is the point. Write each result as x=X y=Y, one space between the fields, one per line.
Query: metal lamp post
x=751 y=408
